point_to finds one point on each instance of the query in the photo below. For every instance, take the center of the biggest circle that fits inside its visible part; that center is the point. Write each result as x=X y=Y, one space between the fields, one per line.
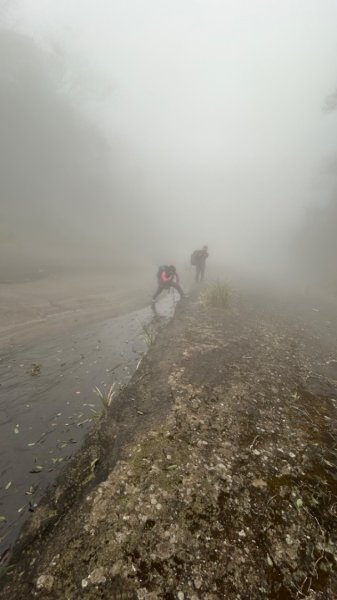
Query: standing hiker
x=167 y=278
x=198 y=260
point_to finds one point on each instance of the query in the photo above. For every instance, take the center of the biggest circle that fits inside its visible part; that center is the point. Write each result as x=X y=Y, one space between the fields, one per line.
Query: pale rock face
x=45 y=582
x=97 y=576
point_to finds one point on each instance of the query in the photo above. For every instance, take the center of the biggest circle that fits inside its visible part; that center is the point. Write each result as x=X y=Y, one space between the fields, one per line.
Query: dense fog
x=133 y=132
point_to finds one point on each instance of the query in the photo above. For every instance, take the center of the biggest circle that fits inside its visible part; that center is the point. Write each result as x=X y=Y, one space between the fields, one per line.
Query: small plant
x=106 y=398
x=35 y=370
x=216 y=295
x=149 y=334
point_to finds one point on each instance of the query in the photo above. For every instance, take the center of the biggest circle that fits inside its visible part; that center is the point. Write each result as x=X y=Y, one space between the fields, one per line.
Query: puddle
x=48 y=404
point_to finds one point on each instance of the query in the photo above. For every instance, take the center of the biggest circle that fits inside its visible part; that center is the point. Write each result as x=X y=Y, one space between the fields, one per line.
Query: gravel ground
x=218 y=478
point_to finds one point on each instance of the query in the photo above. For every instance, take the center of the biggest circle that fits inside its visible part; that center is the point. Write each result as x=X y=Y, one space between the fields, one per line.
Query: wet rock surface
x=227 y=486
x=48 y=407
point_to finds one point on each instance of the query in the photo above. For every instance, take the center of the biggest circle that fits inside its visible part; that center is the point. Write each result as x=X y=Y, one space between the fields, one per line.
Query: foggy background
x=134 y=131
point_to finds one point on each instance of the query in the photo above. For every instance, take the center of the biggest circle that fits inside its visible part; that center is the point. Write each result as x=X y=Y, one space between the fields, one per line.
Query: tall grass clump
x=216 y=295
x=105 y=398
x=149 y=334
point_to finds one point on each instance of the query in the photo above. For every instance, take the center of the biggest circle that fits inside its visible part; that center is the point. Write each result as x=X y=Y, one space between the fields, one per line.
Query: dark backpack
x=194 y=258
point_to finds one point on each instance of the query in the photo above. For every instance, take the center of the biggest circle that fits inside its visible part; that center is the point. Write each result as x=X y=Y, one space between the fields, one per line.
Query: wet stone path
x=48 y=404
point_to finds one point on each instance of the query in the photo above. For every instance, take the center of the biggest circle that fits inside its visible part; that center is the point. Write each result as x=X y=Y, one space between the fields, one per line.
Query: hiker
x=198 y=260
x=167 y=277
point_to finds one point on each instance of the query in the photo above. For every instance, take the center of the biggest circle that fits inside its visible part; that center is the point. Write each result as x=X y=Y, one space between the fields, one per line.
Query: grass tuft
x=106 y=398
x=149 y=334
x=216 y=295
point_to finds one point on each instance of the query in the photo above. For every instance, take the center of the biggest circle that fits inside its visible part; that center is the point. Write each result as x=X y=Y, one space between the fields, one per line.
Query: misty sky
x=216 y=104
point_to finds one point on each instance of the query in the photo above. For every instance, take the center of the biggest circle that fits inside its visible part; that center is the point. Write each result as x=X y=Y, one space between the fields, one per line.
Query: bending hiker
x=167 y=277
x=198 y=260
